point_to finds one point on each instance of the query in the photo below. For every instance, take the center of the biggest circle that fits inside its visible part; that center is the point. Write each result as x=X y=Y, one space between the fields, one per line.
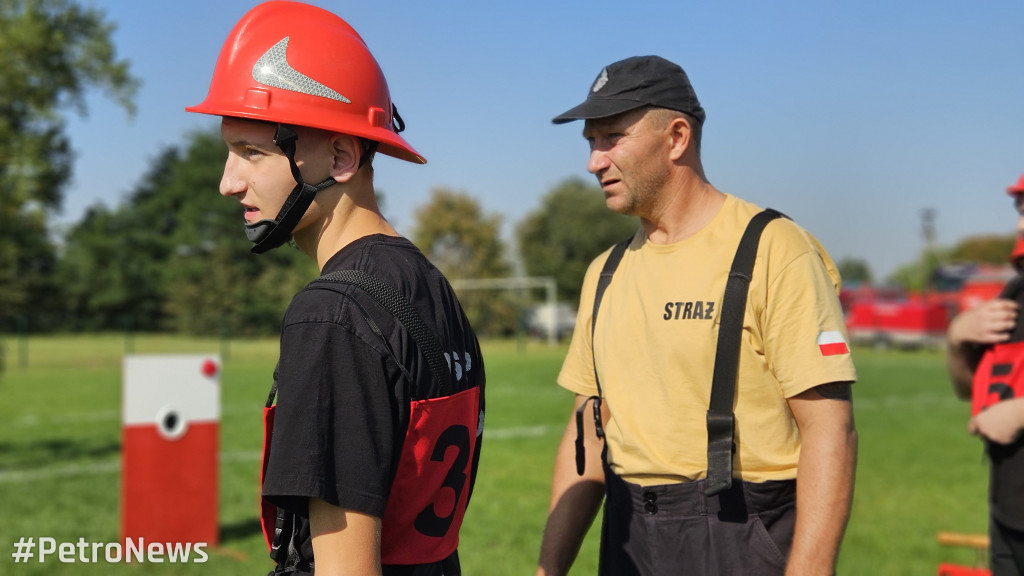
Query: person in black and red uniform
x=372 y=447
x=985 y=361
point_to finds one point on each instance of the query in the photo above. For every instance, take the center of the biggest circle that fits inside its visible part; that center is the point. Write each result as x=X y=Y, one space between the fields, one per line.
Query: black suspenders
x=720 y=418
x=602 y=284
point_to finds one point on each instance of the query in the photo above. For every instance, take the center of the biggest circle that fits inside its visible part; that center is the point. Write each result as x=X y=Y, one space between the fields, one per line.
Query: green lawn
x=918 y=473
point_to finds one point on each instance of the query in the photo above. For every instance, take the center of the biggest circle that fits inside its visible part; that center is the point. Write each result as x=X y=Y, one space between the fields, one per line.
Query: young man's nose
x=231 y=182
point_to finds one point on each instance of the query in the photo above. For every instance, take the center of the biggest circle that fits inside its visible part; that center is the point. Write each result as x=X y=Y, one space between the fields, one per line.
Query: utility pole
x=928 y=216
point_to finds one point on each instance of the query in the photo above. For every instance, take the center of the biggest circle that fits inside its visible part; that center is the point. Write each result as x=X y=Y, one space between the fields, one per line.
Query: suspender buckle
x=720 y=451
x=581 y=457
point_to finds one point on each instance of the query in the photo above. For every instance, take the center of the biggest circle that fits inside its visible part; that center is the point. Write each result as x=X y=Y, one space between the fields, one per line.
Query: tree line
x=171 y=256
x=54 y=51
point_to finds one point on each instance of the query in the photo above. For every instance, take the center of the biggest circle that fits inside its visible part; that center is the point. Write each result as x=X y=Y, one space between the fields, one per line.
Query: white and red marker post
x=169 y=453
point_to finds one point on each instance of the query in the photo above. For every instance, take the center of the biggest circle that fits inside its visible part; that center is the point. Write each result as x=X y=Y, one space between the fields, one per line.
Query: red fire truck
x=889 y=316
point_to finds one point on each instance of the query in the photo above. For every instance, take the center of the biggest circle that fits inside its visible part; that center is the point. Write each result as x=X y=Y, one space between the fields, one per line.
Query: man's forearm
x=824 y=493
x=961 y=360
x=567 y=525
x=824 y=497
x=575 y=501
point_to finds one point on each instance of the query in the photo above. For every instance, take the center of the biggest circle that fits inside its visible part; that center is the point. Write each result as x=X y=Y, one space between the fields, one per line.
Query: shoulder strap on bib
x=395 y=303
x=399 y=307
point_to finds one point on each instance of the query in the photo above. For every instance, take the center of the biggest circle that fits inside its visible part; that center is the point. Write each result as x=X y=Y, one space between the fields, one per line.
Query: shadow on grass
x=240 y=530
x=236 y=542
x=41 y=453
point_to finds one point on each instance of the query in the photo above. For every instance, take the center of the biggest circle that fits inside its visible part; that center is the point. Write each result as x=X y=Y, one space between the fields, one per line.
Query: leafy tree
x=174 y=256
x=464 y=243
x=571 y=227
x=27 y=259
x=917 y=276
x=980 y=249
x=854 y=270
x=986 y=249
x=458 y=237
x=114 y=263
x=103 y=288
x=213 y=280
x=54 y=50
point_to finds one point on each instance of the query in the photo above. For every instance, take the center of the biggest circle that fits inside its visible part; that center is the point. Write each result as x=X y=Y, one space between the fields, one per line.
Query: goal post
x=520 y=283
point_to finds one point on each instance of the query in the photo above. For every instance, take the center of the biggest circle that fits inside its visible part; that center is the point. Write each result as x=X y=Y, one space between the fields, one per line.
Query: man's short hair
x=662 y=116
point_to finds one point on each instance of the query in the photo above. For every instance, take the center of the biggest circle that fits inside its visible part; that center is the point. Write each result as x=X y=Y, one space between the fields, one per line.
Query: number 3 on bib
x=429 y=495
x=428 y=521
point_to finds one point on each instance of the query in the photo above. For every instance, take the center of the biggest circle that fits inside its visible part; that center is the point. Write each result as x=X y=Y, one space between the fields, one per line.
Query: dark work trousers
x=1006 y=549
x=676 y=530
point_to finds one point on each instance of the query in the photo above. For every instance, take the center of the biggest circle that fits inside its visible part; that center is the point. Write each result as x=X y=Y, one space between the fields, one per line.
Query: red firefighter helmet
x=292 y=63
x=1017 y=254
x=1017 y=187
x=1018 y=251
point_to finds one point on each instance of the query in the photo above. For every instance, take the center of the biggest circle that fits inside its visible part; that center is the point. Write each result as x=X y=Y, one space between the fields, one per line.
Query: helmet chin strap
x=269 y=234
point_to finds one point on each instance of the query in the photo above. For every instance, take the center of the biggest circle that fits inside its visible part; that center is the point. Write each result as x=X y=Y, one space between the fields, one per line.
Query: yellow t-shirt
x=656 y=336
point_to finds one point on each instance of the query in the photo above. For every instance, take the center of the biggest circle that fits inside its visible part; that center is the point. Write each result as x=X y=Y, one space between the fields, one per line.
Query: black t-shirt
x=343 y=403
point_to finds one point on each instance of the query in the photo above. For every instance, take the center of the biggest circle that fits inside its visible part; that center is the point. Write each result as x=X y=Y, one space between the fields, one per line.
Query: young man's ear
x=346 y=150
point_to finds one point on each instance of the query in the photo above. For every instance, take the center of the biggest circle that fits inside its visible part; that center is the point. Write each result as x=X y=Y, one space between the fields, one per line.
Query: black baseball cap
x=635 y=82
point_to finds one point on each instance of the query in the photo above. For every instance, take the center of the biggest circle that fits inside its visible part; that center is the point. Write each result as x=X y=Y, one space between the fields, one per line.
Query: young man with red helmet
x=985 y=360
x=372 y=447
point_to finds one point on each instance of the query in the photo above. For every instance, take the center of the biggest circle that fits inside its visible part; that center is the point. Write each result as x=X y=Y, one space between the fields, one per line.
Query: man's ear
x=681 y=135
x=347 y=150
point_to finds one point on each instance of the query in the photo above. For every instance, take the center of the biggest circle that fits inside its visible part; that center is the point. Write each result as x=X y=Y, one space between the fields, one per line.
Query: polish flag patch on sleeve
x=832 y=343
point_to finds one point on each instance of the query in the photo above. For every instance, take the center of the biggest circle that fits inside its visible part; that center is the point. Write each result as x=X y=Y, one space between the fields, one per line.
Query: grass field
x=918 y=472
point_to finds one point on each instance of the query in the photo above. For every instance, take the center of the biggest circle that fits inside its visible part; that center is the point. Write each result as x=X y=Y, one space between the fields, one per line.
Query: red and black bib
x=429 y=495
x=999 y=376
x=433 y=478
x=1000 y=373
x=428 y=498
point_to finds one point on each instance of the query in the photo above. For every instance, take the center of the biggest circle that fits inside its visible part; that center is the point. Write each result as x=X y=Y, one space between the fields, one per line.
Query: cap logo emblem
x=274 y=70
x=601 y=80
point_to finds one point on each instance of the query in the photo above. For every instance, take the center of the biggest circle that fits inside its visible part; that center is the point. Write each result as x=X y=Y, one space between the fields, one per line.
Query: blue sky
x=851 y=118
